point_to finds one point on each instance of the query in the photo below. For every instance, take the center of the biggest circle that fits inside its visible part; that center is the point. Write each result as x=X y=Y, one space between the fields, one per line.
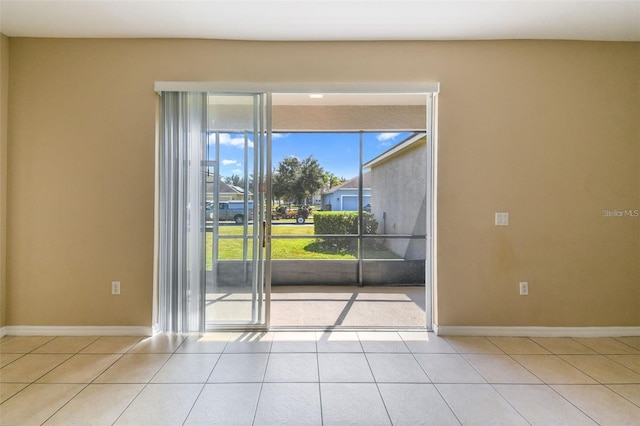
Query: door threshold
x=345 y=328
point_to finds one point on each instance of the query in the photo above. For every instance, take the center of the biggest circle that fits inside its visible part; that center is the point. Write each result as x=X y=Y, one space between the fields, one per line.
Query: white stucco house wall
x=345 y=197
x=398 y=195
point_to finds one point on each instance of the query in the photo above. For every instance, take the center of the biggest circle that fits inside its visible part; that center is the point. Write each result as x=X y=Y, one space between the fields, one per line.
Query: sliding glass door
x=235 y=204
x=212 y=194
x=215 y=201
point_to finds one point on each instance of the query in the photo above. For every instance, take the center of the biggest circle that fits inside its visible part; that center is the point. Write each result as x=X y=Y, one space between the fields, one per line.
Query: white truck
x=229 y=210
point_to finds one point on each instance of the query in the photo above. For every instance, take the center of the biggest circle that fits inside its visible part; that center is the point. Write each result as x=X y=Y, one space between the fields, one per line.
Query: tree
x=330 y=180
x=310 y=179
x=284 y=178
x=296 y=180
x=234 y=180
x=238 y=181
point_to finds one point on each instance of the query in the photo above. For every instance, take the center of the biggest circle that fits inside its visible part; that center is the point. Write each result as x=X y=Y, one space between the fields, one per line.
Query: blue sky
x=336 y=152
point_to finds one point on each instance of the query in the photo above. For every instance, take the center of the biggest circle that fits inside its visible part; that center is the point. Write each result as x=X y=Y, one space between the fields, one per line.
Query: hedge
x=343 y=223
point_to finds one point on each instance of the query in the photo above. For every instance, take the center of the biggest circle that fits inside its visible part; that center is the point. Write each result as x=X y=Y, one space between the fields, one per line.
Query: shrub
x=342 y=223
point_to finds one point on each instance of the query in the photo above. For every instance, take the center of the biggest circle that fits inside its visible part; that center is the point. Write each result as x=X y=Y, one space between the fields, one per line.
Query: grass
x=289 y=248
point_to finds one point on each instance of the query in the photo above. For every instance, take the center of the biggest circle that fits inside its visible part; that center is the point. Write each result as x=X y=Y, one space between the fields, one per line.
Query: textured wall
x=398 y=192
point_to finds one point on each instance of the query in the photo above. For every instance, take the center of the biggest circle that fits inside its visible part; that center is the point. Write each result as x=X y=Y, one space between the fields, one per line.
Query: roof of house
x=225 y=188
x=398 y=149
x=353 y=183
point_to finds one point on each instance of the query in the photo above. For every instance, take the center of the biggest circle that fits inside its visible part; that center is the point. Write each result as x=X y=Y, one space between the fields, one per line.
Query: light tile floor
x=307 y=378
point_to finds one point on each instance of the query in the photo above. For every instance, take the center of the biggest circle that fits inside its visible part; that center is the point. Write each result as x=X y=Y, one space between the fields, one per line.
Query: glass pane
x=308 y=168
x=235 y=285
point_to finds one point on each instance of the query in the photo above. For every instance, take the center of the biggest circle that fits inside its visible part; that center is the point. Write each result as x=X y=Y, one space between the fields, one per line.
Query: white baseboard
x=440 y=330
x=452 y=330
x=35 y=330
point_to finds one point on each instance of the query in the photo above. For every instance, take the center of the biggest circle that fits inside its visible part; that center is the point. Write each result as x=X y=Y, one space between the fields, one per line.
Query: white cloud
x=237 y=171
x=382 y=137
x=387 y=139
x=229 y=162
x=226 y=139
x=279 y=135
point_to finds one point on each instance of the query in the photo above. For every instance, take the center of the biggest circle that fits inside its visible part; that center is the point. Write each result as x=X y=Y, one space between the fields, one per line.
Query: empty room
x=319 y=212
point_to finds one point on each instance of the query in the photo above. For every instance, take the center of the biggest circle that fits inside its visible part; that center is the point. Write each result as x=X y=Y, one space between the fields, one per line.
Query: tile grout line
x=573 y=339
x=548 y=384
x=569 y=401
x=264 y=376
x=195 y=401
x=607 y=357
x=11 y=362
x=621 y=364
x=86 y=385
x=492 y=385
x=544 y=382
x=144 y=385
x=605 y=353
x=375 y=380
x=33 y=381
x=434 y=384
x=619 y=394
x=617 y=339
x=462 y=355
x=147 y=384
x=315 y=334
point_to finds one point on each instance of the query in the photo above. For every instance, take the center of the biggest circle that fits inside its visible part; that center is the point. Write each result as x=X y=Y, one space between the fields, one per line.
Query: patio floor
x=348 y=306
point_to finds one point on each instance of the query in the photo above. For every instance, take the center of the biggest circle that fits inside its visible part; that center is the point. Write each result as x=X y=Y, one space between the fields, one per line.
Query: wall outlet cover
x=502 y=219
x=524 y=288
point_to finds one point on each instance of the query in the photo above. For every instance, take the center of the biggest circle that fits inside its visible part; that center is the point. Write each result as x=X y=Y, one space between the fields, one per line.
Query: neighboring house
x=398 y=202
x=345 y=197
x=227 y=192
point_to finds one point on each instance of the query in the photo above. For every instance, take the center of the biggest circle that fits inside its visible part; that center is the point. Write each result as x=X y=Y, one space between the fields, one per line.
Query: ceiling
x=609 y=20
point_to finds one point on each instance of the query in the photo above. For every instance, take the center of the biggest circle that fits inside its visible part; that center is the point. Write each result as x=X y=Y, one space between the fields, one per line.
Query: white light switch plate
x=502 y=219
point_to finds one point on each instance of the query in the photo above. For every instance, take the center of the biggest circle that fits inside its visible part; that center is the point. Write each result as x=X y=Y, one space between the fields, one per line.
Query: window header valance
x=246 y=87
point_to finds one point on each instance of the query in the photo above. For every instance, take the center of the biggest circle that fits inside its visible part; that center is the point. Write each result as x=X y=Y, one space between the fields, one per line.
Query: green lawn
x=290 y=248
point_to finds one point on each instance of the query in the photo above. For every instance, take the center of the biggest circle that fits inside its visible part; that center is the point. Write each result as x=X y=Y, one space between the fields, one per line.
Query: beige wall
x=547 y=131
x=4 y=98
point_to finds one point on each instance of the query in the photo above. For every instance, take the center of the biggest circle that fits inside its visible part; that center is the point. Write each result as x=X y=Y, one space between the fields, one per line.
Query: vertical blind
x=182 y=223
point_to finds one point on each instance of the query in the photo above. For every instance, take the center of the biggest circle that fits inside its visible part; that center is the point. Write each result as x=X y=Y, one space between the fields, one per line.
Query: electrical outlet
x=502 y=219
x=115 y=287
x=524 y=288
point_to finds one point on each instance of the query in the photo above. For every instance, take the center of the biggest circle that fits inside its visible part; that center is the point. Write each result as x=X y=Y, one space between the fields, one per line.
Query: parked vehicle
x=302 y=214
x=229 y=210
x=283 y=212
